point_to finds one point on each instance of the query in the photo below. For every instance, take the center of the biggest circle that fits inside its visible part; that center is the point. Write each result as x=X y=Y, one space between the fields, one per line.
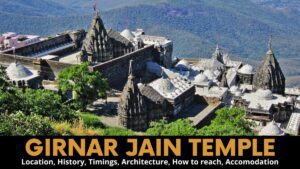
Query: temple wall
x=116 y=70
x=71 y=37
x=6 y=59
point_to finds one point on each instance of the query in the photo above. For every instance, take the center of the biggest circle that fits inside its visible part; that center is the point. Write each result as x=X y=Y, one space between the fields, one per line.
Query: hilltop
x=240 y=27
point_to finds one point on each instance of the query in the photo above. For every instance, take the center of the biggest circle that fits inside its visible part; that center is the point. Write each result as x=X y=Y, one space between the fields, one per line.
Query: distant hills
x=241 y=27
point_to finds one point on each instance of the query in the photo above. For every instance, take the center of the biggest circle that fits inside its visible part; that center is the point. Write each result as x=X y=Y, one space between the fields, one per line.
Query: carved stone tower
x=217 y=55
x=132 y=109
x=97 y=46
x=269 y=74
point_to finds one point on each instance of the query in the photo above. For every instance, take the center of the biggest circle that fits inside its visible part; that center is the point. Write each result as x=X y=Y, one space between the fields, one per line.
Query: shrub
x=77 y=128
x=92 y=120
x=21 y=125
x=181 y=127
x=86 y=85
x=116 y=132
x=228 y=122
x=46 y=103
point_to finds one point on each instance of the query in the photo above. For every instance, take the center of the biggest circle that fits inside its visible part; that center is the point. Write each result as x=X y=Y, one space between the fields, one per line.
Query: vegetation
x=75 y=128
x=4 y=81
x=79 y=128
x=181 y=127
x=92 y=120
x=42 y=112
x=19 y=124
x=86 y=86
x=114 y=131
x=228 y=122
x=241 y=28
x=46 y=103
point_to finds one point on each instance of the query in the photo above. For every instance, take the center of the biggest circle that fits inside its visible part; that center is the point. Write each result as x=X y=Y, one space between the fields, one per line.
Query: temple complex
x=147 y=84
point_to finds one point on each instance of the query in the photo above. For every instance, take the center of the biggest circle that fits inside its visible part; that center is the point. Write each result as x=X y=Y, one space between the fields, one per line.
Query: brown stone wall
x=6 y=59
x=116 y=70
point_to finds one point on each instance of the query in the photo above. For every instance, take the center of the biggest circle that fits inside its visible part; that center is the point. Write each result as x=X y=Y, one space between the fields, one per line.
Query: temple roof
x=182 y=65
x=218 y=55
x=263 y=99
x=271 y=129
x=117 y=36
x=246 y=69
x=201 y=78
x=269 y=75
x=151 y=94
x=17 y=71
x=96 y=39
x=132 y=101
x=127 y=34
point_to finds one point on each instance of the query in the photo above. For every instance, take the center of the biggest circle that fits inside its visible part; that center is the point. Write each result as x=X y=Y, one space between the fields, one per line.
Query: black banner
x=149 y=152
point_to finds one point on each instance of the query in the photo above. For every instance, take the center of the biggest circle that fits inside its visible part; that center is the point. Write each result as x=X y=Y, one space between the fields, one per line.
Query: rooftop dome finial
x=270 y=43
x=14 y=53
x=130 y=67
x=96 y=11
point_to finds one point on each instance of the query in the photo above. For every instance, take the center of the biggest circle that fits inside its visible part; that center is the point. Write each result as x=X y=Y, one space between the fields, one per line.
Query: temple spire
x=95 y=7
x=130 y=68
x=270 y=43
x=97 y=45
x=14 y=53
x=96 y=11
x=270 y=52
x=269 y=75
x=217 y=55
x=132 y=107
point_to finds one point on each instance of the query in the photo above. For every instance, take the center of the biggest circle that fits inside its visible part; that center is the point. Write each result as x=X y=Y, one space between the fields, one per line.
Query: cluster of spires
x=268 y=76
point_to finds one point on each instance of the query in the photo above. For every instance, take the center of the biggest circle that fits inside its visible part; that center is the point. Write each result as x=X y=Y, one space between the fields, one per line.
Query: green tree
x=19 y=124
x=181 y=127
x=4 y=80
x=114 y=131
x=86 y=85
x=9 y=101
x=92 y=120
x=8 y=98
x=228 y=122
x=46 y=103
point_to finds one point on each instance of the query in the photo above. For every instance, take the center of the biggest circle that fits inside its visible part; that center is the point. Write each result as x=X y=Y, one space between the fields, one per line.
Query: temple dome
x=271 y=129
x=17 y=71
x=201 y=78
x=246 y=69
x=264 y=94
x=182 y=65
x=127 y=34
